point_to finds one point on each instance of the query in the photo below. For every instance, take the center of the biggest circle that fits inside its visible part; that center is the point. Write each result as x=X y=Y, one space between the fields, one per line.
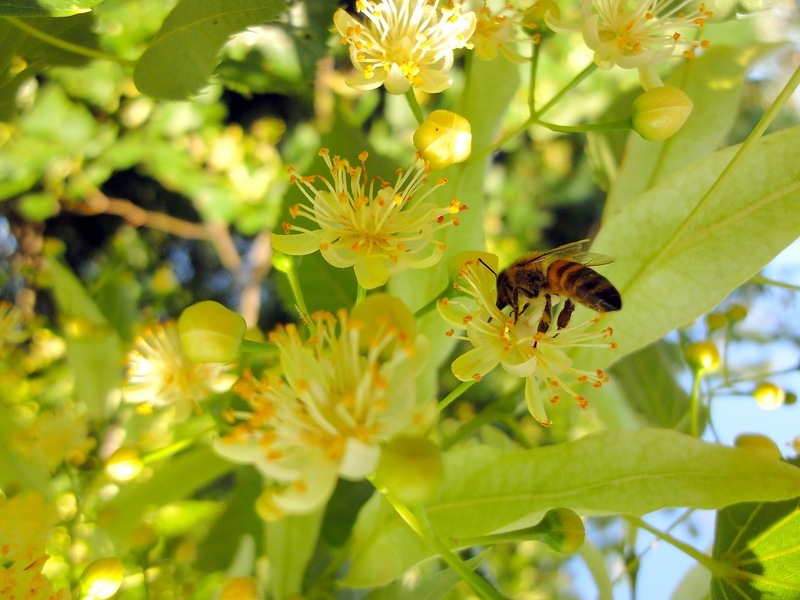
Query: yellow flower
x=404 y=43
x=25 y=526
x=341 y=394
x=636 y=33
x=522 y=350
x=379 y=233
x=54 y=437
x=496 y=33
x=159 y=374
x=12 y=332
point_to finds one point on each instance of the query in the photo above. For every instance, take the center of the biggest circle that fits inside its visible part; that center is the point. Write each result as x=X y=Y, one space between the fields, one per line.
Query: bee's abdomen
x=579 y=282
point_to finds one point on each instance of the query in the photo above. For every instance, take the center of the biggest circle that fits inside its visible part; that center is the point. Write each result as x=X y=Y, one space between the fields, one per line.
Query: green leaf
x=628 y=472
x=679 y=249
x=429 y=585
x=94 y=352
x=714 y=83
x=648 y=379
x=172 y=480
x=759 y=543
x=182 y=57
x=29 y=46
x=45 y=8
x=290 y=545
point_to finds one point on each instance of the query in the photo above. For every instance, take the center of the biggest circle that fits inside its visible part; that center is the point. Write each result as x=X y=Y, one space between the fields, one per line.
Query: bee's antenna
x=480 y=260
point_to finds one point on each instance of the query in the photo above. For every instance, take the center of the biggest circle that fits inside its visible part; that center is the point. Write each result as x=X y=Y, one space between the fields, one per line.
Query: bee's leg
x=547 y=316
x=566 y=313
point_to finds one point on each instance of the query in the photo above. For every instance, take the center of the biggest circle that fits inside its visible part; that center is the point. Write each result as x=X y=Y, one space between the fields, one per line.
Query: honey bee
x=563 y=271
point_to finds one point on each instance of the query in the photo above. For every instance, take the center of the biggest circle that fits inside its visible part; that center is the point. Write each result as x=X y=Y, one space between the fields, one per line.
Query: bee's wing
x=591 y=259
x=570 y=250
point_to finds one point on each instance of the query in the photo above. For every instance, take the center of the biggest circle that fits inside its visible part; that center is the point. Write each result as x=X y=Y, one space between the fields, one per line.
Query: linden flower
x=159 y=374
x=519 y=347
x=340 y=395
x=404 y=43
x=25 y=526
x=495 y=33
x=54 y=437
x=636 y=33
x=379 y=233
x=12 y=332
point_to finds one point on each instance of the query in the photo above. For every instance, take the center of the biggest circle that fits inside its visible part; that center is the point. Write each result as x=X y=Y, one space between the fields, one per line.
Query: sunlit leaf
x=94 y=351
x=647 y=379
x=172 y=480
x=629 y=472
x=759 y=543
x=290 y=545
x=714 y=83
x=26 y=50
x=45 y=8
x=679 y=251
x=181 y=58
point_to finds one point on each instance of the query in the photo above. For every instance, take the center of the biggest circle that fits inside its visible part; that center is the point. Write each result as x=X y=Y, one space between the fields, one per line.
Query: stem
x=415 y=107
x=426 y=532
x=256 y=347
x=566 y=89
x=717 y=568
x=361 y=293
x=609 y=126
x=694 y=407
x=294 y=283
x=760 y=279
x=532 y=84
x=65 y=45
x=452 y=396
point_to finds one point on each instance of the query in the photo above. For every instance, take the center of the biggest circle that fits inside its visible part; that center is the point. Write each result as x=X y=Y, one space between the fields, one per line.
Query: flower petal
x=533 y=398
x=359 y=459
x=477 y=361
x=371 y=272
x=296 y=244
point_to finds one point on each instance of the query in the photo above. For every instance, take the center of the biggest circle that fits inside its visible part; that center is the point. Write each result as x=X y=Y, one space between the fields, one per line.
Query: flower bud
x=702 y=356
x=562 y=530
x=760 y=444
x=102 y=578
x=239 y=588
x=660 y=112
x=124 y=464
x=444 y=138
x=716 y=321
x=411 y=469
x=769 y=396
x=737 y=313
x=211 y=333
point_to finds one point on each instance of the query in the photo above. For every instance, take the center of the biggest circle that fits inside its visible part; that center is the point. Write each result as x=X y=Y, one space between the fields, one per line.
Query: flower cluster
x=25 y=526
x=496 y=32
x=159 y=373
x=54 y=437
x=339 y=395
x=404 y=44
x=519 y=346
x=378 y=232
x=636 y=33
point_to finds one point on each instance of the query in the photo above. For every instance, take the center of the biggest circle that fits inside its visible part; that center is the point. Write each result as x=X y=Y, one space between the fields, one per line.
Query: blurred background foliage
x=153 y=204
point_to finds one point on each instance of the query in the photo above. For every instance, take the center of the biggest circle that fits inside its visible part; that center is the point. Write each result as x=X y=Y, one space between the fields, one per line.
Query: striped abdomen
x=582 y=284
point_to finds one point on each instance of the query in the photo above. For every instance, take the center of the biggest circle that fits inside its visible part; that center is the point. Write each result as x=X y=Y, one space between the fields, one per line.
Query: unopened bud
x=660 y=112
x=411 y=469
x=444 y=138
x=211 y=332
x=760 y=444
x=702 y=356
x=239 y=588
x=102 y=578
x=769 y=396
x=124 y=464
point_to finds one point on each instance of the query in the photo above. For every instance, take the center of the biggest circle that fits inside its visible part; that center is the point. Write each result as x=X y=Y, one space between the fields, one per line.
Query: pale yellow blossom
x=522 y=350
x=404 y=44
